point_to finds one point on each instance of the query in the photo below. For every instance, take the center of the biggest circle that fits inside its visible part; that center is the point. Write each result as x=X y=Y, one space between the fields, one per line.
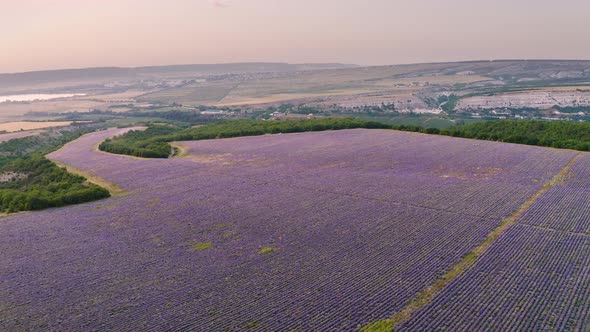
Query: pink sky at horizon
x=57 y=34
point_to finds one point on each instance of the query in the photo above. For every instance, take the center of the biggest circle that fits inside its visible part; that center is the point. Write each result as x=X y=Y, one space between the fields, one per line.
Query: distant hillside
x=411 y=86
x=503 y=70
x=329 y=86
x=109 y=73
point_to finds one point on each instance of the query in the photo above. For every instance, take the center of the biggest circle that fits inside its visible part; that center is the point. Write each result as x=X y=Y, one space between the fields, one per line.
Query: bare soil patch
x=12 y=176
x=24 y=125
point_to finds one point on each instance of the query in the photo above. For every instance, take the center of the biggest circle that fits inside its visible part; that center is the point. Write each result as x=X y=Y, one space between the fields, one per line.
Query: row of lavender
x=530 y=280
x=240 y=236
x=535 y=278
x=486 y=179
x=565 y=206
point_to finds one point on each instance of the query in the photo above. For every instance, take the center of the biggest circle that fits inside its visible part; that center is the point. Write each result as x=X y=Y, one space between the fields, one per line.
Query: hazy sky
x=51 y=34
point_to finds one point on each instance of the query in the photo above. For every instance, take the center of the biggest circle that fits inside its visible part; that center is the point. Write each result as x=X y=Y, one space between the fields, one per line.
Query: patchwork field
x=312 y=232
x=26 y=125
x=306 y=85
x=324 y=88
x=333 y=83
x=17 y=111
x=409 y=87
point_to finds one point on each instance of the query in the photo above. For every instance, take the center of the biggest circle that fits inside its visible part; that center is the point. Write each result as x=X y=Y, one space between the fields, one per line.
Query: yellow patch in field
x=25 y=125
x=202 y=246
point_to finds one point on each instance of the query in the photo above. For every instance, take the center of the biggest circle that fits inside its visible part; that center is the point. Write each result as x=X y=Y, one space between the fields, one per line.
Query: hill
x=431 y=94
x=105 y=74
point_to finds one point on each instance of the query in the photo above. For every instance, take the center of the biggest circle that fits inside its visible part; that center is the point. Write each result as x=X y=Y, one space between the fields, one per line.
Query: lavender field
x=309 y=232
x=535 y=278
x=20 y=134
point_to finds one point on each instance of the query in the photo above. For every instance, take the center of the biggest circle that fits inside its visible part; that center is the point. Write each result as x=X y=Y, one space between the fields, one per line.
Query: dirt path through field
x=427 y=295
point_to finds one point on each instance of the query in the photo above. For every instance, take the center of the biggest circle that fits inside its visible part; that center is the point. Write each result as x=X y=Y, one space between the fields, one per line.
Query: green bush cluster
x=556 y=134
x=44 y=185
x=43 y=143
x=140 y=143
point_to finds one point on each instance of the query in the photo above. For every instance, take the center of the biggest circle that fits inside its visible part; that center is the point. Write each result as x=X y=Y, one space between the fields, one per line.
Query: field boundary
x=427 y=295
x=113 y=188
x=182 y=149
x=96 y=147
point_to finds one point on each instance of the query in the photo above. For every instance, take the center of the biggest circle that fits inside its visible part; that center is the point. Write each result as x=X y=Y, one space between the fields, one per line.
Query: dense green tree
x=557 y=134
x=42 y=184
x=153 y=143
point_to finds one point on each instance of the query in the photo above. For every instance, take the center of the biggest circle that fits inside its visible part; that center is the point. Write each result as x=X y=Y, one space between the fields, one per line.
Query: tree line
x=38 y=183
x=152 y=143
x=29 y=181
x=556 y=134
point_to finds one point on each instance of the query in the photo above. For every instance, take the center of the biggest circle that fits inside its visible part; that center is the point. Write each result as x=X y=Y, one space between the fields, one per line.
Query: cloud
x=218 y=3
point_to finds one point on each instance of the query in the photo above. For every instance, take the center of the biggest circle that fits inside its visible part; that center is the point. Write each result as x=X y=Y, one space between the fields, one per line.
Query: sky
x=58 y=34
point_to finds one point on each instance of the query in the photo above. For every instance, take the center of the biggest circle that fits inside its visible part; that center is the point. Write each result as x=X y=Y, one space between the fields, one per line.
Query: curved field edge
x=40 y=184
x=181 y=150
x=32 y=182
x=154 y=142
x=21 y=134
x=427 y=295
x=113 y=188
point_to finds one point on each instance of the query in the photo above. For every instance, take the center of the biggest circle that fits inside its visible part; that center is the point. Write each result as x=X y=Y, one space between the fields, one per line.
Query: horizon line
x=295 y=64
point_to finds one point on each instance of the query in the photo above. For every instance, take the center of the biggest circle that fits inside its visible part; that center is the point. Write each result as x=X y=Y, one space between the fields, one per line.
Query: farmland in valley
x=310 y=231
x=9 y=136
x=432 y=95
x=24 y=125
